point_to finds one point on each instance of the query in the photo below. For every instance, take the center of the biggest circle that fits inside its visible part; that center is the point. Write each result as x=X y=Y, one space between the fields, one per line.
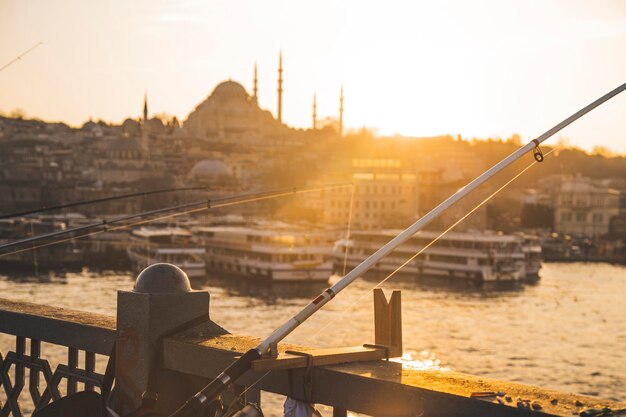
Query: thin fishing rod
x=209 y=204
x=97 y=200
x=108 y=229
x=19 y=57
x=195 y=405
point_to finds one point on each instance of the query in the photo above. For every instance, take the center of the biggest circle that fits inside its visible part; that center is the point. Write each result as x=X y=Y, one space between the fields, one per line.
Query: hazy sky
x=475 y=68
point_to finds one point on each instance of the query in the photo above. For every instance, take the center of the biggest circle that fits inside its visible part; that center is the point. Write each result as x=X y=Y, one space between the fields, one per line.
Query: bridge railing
x=188 y=360
x=82 y=334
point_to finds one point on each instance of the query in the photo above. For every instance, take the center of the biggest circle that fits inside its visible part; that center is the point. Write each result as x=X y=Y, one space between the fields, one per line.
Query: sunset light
x=476 y=69
x=243 y=208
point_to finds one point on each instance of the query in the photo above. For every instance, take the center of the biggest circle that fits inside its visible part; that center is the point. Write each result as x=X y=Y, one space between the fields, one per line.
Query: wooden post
x=388 y=321
x=339 y=412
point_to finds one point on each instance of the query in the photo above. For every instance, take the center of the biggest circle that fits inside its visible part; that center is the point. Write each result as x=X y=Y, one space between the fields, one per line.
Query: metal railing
x=78 y=331
x=377 y=388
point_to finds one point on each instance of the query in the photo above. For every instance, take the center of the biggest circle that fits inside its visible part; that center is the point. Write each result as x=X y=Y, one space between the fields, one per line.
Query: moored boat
x=149 y=245
x=461 y=256
x=268 y=254
x=532 y=255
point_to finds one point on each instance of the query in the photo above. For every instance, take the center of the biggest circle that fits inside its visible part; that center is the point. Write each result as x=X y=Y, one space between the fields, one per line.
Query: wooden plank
x=382 y=335
x=388 y=321
x=320 y=357
x=395 y=324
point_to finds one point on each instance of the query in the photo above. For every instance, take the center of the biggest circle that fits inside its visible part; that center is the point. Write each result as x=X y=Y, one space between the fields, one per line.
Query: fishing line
x=97 y=200
x=359 y=300
x=432 y=242
x=225 y=413
x=207 y=205
x=345 y=256
x=294 y=192
x=197 y=404
x=19 y=57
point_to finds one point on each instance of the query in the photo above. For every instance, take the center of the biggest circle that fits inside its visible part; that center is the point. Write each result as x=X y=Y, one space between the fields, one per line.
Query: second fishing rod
x=196 y=405
x=104 y=225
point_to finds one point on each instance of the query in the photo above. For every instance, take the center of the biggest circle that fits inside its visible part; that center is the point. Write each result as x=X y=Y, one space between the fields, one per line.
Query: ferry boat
x=462 y=256
x=532 y=254
x=268 y=254
x=149 y=245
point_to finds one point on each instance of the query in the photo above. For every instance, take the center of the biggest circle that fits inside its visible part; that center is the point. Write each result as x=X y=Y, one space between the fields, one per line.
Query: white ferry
x=272 y=255
x=149 y=245
x=474 y=257
x=532 y=255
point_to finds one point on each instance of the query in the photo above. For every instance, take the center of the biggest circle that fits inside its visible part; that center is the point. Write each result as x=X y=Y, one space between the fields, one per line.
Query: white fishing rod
x=195 y=405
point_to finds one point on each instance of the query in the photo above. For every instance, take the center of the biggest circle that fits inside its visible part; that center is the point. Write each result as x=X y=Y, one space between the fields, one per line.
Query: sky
x=485 y=68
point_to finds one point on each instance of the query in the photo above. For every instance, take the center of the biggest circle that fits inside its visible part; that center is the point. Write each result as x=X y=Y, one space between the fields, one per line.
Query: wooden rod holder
x=388 y=321
x=387 y=336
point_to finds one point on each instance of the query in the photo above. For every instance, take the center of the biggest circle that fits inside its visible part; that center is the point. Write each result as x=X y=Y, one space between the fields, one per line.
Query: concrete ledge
x=73 y=328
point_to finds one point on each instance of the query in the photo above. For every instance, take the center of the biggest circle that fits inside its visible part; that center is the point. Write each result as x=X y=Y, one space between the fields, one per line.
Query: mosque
x=228 y=117
x=230 y=114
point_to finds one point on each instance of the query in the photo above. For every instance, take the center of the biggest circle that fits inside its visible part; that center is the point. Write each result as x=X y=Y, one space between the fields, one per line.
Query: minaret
x=341 y=112
x=145 y=106
x=280 y=87
x=143 y=127
x=314 y=111
x=255 y=89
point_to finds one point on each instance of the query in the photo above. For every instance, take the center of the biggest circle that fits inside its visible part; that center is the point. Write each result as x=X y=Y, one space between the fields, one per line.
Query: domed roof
x=90 y=125
x=230 y=89
x=208 y=169
x=125 y=144
x=130 y=122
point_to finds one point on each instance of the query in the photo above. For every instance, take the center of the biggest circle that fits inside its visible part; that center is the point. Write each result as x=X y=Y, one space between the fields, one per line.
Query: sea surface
x=567 y=332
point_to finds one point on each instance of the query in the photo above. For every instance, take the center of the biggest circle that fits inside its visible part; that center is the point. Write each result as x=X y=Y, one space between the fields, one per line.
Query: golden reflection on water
x=424 y=360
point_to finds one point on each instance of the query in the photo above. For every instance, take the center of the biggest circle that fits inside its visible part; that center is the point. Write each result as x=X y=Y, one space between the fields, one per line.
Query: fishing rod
x=19 y=57
x=211 y=393
x=208 y=204
x=97 y=200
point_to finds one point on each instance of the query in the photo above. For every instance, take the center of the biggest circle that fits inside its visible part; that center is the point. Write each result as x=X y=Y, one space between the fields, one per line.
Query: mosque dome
x=131 y=126
x=208 y=169
x=230 y=89
x=90 y=125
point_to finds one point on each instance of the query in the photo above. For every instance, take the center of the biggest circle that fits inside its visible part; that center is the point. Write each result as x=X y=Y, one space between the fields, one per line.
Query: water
x=568 y=332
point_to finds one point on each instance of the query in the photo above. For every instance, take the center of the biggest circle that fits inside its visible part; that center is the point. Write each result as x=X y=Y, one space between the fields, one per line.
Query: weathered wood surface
x=388 y=321
x=319 y=357
x=381 y=388
x=73 y=328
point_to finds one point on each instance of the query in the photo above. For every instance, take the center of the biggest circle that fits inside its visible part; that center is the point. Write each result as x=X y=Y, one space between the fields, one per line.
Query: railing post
x=161 y=301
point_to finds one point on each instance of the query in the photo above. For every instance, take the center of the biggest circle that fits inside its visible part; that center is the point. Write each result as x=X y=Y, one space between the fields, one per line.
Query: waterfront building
x=584 y=207
x=385 y=195
x=126 y=160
